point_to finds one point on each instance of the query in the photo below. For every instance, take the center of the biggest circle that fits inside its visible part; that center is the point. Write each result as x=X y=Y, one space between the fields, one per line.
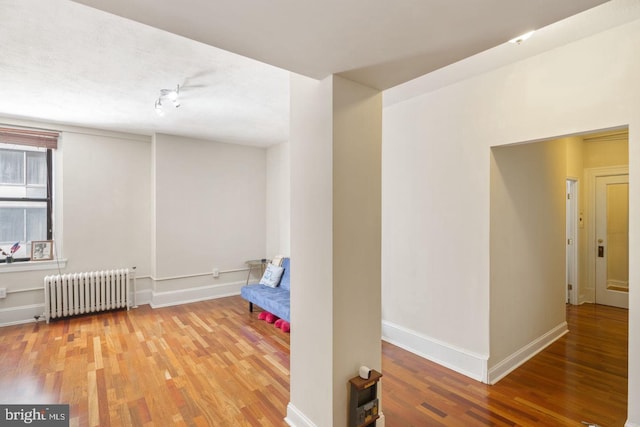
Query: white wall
x=278 y=200
x=435 y=229
x=436 y=149
x=173 y=207
x=357 y=146
x=528 y=275
x=106 y=202
x=209 y=211
x=311 y=380
x=102 y=206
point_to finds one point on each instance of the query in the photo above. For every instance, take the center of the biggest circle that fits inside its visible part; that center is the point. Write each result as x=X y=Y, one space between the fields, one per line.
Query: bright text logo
x=36 y=415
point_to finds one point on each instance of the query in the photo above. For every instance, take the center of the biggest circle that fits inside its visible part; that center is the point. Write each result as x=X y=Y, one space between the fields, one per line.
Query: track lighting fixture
x=167 y=95
x=158 y=107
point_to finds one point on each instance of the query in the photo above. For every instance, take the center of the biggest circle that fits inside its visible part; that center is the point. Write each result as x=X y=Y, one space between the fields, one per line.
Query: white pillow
x=271 y=276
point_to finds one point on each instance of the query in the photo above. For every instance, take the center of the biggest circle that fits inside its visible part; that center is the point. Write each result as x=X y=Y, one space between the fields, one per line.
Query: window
x=26 y=204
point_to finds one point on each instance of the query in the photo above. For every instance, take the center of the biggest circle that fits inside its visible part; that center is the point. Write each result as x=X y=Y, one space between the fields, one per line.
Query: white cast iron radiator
x=78 y=293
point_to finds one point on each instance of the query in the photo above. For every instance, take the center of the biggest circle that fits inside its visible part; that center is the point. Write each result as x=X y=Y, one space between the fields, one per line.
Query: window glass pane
x=11 y=167
x=11 y=224
x=24 y=179
x=36 y=168
x=36 y=224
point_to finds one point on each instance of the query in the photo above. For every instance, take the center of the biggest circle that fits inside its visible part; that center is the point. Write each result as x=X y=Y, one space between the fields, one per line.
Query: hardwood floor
x=204 y=364
x=580 y=377
x=213 y=363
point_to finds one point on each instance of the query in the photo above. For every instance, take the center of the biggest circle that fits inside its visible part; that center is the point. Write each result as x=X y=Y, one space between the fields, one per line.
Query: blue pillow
x=271 y=276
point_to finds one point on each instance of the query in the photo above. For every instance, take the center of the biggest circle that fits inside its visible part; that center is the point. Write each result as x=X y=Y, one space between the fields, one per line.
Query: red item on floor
x=270 y=318
x=263 y=315
x=285 y=326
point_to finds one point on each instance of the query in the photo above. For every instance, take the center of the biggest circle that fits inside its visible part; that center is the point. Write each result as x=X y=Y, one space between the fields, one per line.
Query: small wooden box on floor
x=363 y=400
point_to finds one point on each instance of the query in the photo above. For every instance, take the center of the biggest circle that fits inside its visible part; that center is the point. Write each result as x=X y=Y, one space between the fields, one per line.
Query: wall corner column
x=336 y=139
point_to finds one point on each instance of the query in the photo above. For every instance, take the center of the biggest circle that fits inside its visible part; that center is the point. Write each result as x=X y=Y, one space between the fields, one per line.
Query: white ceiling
x=68 y=63
x=65 y=62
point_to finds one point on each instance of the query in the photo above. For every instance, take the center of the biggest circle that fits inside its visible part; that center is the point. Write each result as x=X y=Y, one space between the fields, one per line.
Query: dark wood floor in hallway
x=580 y=377
x=213 y=363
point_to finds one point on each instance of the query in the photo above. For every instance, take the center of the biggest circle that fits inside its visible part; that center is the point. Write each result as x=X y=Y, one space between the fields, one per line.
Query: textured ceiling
x=65 y=62
x=68 y=63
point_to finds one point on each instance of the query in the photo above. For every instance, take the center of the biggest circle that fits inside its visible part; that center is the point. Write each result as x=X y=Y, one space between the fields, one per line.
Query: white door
x=572 y=232
x=612 y=240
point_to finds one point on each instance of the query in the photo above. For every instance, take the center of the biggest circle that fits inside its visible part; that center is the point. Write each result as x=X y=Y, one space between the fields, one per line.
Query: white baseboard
x=465 y=362
x=25 y=313
x=144 y=296
x=202 y=293
x=630 y=424
x=513 y=361
x=295 y=418
x=19 y=315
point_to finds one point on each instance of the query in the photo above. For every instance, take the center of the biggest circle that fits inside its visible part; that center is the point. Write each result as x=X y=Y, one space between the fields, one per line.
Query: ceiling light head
x=158 y=107
x=168 y=94
x=173 y=95
x=522 y=38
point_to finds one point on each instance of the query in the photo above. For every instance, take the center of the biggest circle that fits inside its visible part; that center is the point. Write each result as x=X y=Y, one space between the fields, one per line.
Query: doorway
x=595 y=157
x=540 y=211
x=612 y=240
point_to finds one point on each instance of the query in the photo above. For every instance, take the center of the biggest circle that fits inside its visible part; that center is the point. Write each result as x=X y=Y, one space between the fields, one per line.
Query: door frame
x=591 y=175
x=572 y=248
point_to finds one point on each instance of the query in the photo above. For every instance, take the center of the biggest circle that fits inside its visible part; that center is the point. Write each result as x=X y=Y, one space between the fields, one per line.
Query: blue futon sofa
x=274 y=300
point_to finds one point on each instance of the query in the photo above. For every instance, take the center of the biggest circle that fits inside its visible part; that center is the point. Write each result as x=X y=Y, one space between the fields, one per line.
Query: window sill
x=53 y=264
